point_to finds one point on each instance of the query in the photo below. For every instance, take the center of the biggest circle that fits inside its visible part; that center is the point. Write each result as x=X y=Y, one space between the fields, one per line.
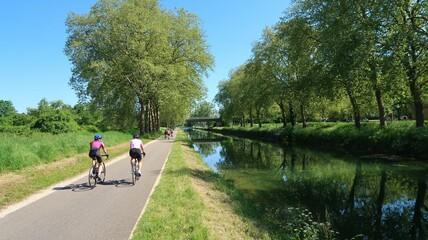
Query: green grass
x=18 y=152
x=175 y=209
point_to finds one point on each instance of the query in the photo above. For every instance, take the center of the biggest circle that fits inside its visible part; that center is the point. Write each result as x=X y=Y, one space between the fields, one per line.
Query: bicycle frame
x=134 y=172
x=94 y=176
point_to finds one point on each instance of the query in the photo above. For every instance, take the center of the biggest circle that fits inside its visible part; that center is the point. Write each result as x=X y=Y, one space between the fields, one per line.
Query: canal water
x=354 y=196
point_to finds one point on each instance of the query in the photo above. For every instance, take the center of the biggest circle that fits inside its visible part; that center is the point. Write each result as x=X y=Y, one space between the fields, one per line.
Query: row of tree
x=57 y=117
x=350 y=58
x=53 y=117
x=138 y=64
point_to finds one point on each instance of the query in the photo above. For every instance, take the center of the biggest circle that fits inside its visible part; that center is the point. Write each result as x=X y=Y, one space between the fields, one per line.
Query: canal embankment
x=400 y=138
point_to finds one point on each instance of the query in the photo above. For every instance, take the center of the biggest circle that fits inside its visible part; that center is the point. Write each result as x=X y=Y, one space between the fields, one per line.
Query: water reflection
x=357 y=196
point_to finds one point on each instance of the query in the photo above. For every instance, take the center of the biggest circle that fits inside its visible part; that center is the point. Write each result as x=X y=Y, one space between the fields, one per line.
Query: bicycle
x=134 y=173
x=94 y=176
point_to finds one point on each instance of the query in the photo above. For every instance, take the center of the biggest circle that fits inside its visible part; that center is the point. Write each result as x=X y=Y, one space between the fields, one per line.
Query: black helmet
x=136 y=136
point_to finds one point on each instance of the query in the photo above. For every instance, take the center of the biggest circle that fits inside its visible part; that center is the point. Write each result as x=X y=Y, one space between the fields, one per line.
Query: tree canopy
x=139 y=64
x=6 y=108
x=338 y=60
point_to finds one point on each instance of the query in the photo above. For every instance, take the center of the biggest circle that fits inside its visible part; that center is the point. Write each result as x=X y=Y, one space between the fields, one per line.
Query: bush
x=56 y=123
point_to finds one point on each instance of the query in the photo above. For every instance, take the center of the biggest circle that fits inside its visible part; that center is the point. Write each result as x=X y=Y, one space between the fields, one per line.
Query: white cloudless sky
x=33 y=65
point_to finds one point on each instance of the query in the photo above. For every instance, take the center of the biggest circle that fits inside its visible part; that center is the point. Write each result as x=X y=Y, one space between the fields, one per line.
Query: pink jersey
x=135 y=143
x=97 y=144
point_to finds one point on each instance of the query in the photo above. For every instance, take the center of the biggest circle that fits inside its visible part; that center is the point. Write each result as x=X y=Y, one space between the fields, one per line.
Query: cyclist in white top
x=136 y=151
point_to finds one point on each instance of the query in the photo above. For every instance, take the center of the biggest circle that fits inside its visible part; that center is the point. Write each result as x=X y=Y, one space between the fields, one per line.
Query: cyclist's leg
x=132 y=164
x=140 y=164
x=94 y=161
x=100 y=167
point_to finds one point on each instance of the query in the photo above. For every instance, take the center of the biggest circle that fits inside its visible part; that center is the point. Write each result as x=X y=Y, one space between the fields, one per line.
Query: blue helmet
x=96 y=137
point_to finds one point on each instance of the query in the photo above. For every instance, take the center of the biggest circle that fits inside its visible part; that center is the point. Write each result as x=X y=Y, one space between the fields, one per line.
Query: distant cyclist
x=136 y=152
x=94 y=151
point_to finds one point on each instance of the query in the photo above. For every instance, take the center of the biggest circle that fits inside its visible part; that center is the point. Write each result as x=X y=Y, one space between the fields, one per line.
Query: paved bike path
x=71 y=210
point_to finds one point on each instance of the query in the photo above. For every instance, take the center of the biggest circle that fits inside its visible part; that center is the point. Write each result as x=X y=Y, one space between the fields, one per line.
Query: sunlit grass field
x=18 y=152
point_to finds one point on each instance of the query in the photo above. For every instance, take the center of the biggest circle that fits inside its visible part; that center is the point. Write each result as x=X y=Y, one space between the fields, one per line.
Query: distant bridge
x=193 y=120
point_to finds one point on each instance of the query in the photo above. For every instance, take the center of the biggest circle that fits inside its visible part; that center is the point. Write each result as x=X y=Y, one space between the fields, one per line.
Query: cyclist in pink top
x=136 y=152
x=94 y=151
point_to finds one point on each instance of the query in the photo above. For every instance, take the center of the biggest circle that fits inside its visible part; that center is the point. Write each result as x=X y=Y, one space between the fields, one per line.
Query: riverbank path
x=72 y=210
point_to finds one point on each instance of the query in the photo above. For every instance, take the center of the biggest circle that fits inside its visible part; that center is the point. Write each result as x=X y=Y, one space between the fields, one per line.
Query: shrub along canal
x=352 y=195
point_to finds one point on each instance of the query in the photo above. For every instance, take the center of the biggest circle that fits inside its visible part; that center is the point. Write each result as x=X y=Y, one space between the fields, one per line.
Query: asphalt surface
x=72 y=210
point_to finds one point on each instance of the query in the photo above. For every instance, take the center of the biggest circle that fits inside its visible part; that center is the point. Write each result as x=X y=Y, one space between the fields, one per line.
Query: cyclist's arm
x=104 y=149
x=142 y=148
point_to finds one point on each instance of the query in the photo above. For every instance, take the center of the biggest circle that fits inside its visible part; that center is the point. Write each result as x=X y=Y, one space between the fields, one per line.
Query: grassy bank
x=18 y=152
x=192 y=202
x=399 y=138
x=68 y=158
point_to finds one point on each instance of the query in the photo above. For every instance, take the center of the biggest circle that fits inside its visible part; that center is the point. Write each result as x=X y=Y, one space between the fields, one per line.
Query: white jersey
x=135 y=143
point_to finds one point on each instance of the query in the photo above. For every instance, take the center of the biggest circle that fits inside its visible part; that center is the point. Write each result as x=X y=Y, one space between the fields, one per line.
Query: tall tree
x=271 y=52
x=133 y=59
x=6 y=108
x=297 y=38
x=231 y=96
x=408 y=29
x=342 y=47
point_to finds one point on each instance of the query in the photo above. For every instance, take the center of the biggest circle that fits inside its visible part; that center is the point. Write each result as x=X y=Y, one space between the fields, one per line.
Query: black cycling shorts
x=135 y=153
x=95 y=154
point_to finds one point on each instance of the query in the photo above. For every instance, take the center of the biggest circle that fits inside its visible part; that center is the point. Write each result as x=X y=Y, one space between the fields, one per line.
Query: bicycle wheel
x=102 y=174
x=92 y=181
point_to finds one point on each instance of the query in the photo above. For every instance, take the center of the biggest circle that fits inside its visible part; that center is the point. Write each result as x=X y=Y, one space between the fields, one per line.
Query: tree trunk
x=292 y=115
x=141 y=118
x=156 y=121
x=378 y=94
x=355 y=109
x=410 y=62
x=283 y=115
x=259 y=121
x=251 y=118
x=381 y=107
x=302 y=113
x=417 y=104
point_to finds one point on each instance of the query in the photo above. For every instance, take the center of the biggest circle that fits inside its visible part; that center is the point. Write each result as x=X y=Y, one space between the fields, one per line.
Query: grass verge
x=188 y=203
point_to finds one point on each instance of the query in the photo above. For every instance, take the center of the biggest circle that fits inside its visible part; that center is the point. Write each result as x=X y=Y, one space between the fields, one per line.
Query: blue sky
x=33 y=65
